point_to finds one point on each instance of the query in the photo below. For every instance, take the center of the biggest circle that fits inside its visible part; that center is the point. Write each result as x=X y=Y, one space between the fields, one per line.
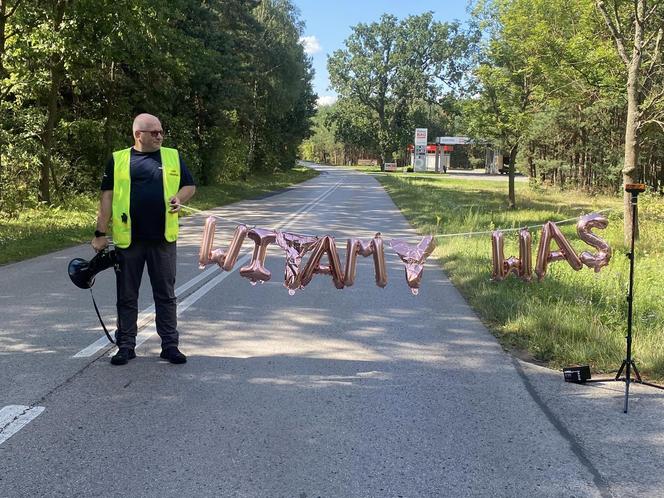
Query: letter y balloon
x=414 y=258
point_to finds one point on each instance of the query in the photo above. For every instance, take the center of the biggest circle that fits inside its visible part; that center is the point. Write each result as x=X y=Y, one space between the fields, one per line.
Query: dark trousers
x=160 y=257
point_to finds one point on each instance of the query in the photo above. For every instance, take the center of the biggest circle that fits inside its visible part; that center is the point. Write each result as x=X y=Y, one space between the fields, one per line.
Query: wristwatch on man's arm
x=100 y=234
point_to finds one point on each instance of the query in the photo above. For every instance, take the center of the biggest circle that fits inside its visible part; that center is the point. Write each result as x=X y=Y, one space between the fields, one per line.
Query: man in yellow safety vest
x=142 y=190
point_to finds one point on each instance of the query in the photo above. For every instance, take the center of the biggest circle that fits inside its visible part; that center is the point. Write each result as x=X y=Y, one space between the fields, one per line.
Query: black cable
x=99 y=316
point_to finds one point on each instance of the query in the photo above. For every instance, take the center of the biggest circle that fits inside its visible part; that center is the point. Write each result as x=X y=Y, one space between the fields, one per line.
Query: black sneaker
x=173 y=354
x=123 y=356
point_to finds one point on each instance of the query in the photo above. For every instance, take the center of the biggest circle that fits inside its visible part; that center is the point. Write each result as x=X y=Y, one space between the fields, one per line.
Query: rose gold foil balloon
x=256 y=271
x=204 y=254
x=497 y=256
x=228 y=259
x=325 y=245
x=374 y=247
x=525 y=254
x=414 y=258
x=550 y=231
x=512 y=265
x=583 y=227
x=521 y=266
x=380 y=269
x=295 y=246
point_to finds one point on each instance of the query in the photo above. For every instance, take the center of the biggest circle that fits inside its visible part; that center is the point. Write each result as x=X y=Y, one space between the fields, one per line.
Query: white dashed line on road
x=14 y=417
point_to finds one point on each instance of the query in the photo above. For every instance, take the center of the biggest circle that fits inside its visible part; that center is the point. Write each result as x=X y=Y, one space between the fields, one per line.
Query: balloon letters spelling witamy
x=256 y=270
x=374 y=247
x=414 y=258
x=583 y=227
x=550 y=231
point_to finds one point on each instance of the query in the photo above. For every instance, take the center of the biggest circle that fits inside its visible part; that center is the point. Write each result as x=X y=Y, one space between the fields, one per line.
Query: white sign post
x=420 y=155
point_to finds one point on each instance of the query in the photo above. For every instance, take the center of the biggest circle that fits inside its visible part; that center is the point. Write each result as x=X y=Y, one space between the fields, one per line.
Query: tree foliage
x=570 y=90
x=552 y=91
x=228 y=79
x=390 y=66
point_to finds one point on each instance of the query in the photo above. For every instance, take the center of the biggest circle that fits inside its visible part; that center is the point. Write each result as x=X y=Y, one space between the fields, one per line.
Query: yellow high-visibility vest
x=170 y=162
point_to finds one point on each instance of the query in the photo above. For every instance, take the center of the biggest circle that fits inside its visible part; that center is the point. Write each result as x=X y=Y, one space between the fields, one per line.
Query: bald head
x=145 y=121
x=148 y=133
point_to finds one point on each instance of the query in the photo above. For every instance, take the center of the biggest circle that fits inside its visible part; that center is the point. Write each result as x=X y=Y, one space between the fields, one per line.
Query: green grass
x=570 y=317
x=45 y=229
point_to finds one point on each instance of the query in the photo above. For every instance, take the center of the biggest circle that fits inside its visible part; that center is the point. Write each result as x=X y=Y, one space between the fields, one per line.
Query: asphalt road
x=360 y=392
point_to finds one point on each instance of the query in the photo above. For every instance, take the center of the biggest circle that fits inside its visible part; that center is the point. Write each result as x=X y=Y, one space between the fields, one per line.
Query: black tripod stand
x=628 y=363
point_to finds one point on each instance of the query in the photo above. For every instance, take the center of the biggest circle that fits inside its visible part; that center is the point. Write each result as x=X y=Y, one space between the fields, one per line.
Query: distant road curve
x=462 y=174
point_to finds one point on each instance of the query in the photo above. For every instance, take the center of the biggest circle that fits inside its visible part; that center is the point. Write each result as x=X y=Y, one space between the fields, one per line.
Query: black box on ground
x=577 y=374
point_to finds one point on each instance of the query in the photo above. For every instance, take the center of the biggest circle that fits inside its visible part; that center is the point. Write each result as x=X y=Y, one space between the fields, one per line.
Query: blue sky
x=328 y=24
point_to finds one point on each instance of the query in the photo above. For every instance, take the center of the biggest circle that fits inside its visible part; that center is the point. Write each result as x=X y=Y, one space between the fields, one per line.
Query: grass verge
x=570 y=317
x=45 y=229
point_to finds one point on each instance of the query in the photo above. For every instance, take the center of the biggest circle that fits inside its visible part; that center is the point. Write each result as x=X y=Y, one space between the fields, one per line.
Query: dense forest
x=228 y=79
x=570 y=90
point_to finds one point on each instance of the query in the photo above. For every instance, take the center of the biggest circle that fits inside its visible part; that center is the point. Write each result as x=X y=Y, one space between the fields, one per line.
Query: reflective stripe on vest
x=170 y=162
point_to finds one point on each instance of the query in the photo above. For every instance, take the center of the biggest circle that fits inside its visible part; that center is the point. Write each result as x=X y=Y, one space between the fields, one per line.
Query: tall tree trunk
x=108 y=112
x=629 y=172
x=3 y=39
x=52 y=118
x=3 y=74
x=511 y=193
x=252 y=129
x=383 y=133
x=52 y=114
x=632 y=124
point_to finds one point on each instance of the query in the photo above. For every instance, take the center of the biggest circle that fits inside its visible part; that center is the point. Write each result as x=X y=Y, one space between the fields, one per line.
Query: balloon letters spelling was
x=522 y=266
x=295 y=246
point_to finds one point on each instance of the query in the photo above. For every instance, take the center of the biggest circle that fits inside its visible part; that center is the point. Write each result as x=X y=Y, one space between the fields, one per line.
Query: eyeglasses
x=154 y=133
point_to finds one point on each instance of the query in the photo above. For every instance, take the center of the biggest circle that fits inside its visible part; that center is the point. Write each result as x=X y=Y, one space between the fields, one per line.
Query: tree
x=547 y=83
x=387 y=65
x=223 y=78
x=506 y=78
x=638 y=23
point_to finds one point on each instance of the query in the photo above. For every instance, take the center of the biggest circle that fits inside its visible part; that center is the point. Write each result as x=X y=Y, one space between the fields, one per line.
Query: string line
x=444 y=235
x=194 y=210
x=568 y=220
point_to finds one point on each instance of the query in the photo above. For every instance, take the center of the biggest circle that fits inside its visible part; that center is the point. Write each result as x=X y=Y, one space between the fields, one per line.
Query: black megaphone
x=82 y=272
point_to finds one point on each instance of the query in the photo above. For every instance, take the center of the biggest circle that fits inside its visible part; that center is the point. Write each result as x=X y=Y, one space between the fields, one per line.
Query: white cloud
x=326 y=100
x=311 y=44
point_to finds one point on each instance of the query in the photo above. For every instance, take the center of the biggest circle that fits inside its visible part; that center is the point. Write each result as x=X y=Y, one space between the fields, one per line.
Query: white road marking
x=147 y=315
x=14 y=417
x=145 y=334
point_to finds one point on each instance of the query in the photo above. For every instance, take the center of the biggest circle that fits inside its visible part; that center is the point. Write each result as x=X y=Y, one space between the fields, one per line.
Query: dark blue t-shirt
x=147 y=206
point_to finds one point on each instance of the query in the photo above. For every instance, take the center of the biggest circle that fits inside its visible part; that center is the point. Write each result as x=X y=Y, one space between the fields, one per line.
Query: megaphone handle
x=99 y=316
